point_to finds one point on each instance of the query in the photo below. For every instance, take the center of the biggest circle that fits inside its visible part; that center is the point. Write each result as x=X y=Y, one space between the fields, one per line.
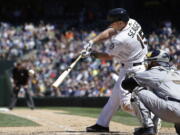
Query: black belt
x=173 y=99
x=134 y=64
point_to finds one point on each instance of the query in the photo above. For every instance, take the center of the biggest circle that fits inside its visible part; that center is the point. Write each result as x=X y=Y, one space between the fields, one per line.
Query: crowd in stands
x=166 y=38
x=49 y=52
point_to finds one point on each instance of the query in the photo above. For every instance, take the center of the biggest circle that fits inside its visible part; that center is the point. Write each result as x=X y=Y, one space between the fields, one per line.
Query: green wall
x=66 y=101
x=5 y=85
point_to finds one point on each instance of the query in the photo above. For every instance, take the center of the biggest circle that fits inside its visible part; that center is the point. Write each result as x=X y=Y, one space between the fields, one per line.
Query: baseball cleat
x=145 y=131
x=177 y=128
x=97 y=128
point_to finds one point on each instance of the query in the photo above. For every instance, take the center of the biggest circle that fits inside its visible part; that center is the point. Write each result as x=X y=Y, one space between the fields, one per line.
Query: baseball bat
x=62 y=77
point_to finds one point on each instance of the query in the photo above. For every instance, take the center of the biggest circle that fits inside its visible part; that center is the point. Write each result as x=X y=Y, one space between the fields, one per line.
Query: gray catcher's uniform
x=162 y=98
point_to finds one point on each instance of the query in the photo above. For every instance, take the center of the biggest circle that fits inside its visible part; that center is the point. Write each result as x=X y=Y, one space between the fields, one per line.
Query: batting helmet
x=117 y=14
x=158 y=56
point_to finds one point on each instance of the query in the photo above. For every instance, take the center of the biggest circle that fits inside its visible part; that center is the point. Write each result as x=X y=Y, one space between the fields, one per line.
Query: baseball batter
x=129 y=47
x=159 y=94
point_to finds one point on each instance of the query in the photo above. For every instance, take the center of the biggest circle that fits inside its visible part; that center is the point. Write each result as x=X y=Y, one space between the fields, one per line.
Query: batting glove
x=85 y=53
x=88 y=45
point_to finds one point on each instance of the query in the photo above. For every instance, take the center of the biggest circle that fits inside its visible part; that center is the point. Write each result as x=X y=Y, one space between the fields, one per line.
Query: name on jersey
x=133 y=29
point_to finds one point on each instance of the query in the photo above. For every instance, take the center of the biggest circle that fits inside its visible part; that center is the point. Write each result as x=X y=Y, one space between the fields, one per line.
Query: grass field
x=120 y=116
x=7 y=120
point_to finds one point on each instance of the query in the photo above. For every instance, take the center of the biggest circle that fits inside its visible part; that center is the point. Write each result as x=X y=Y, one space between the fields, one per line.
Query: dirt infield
x=53 y=123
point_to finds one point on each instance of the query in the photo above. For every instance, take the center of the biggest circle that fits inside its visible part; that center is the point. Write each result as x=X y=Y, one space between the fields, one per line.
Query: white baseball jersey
x=129 y=45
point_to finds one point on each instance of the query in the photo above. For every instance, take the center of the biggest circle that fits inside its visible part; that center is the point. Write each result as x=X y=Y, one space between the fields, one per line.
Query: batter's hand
x=85 y=53
x=88 y=45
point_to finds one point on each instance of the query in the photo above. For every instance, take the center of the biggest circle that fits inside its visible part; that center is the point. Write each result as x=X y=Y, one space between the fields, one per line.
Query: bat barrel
x=62 y=77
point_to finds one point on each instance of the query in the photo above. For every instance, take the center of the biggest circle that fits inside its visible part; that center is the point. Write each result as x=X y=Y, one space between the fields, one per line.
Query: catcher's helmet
x=117 y=14
x=158 y=56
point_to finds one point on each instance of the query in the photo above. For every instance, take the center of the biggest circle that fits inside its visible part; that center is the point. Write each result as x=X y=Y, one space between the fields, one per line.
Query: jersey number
x=140 y=37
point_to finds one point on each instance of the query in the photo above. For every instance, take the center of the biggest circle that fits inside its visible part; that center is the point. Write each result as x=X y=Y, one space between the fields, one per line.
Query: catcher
x=156 y=91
